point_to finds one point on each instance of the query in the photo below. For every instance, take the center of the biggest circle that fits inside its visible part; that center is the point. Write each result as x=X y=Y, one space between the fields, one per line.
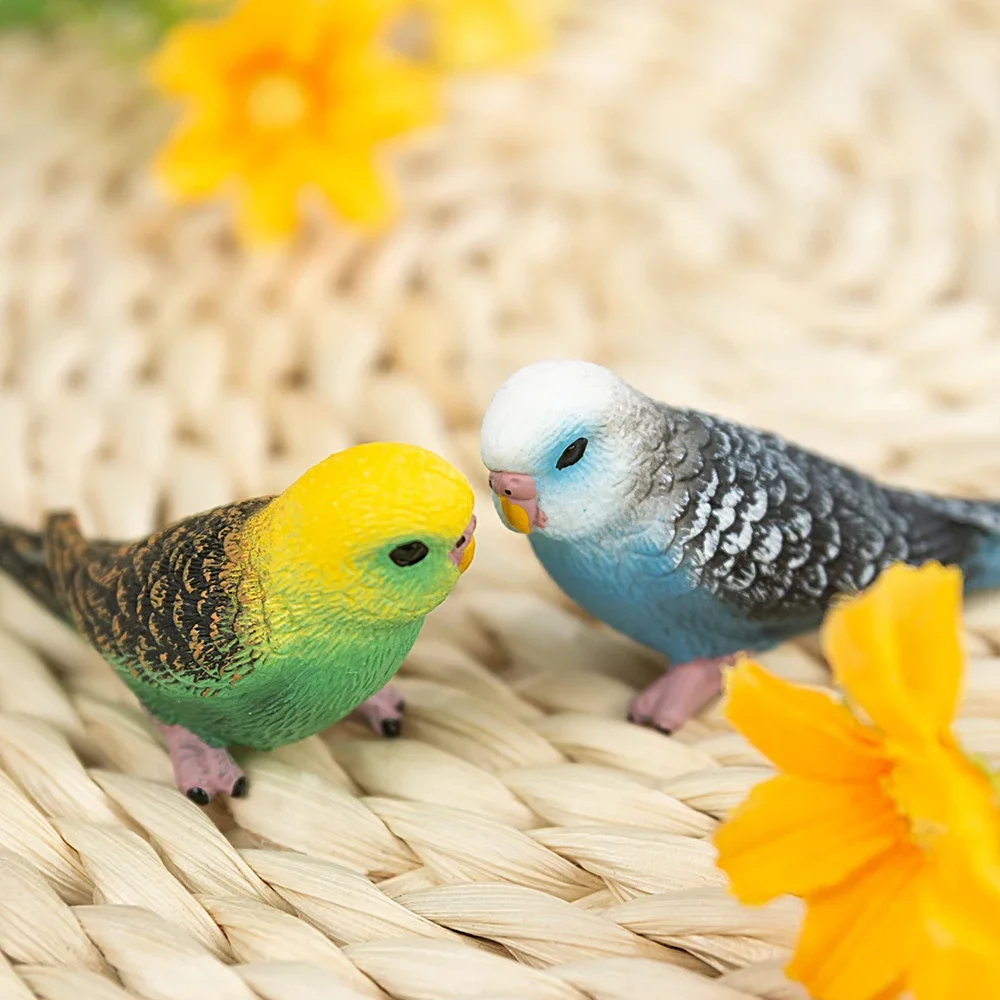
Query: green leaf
x=151 y=17
x=15 y=13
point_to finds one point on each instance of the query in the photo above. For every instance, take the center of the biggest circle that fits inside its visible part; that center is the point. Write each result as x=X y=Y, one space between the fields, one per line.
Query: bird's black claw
x=664 y=730
x=199 y=796
x=239 y=788
x=390 y=727
x=400 y=705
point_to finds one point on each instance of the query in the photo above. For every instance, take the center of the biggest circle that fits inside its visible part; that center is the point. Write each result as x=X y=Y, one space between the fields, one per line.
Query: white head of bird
x=560 y=440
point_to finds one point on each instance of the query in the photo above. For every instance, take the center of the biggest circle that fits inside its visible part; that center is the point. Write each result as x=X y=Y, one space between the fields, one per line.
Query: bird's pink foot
x=201 y=771
x=679 y=694
x=382 y=711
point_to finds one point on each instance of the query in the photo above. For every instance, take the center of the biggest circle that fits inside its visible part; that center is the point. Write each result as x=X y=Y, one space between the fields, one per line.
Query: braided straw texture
x=786 y=211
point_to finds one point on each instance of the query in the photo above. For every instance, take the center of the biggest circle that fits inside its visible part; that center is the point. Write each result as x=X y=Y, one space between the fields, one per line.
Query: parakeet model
x=694 y=535
x=261 y=622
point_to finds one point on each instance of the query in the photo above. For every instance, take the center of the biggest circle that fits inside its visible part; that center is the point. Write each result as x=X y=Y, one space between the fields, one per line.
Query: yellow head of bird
x=379 y=531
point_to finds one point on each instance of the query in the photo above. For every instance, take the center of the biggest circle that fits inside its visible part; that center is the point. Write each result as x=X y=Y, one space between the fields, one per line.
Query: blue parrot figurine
x=697 y=536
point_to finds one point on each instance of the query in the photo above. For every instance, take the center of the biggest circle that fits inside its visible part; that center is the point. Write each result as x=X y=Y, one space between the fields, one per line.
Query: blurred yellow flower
x=284 y=97
x=880 y=823
x=485 y=34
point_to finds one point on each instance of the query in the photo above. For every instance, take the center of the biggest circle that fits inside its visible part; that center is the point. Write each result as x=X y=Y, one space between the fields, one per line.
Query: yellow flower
x=482 y=34
x=881 y=824
x=286 y=96
x=961 y=955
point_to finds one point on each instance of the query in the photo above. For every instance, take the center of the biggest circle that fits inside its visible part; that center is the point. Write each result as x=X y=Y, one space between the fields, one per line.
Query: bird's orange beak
x=467 y=556
x=517 y=517
x=465 y=548
x=518 y=496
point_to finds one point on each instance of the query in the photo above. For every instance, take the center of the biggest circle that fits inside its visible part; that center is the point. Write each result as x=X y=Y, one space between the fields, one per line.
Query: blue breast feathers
x=648 y=596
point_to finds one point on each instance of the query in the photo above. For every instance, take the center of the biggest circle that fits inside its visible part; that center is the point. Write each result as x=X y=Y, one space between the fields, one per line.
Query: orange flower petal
x=893 y=992
x=290 y=96
x=802 y=731
x=961 y=907
x=858 y=939
x=797 y=836
x=926 y=606
x=973 y=809
x=302 y=29
x=360 y=22
x=480 y=34
x=194 y=163
x=188 y=60
x=383 y=97
x=268 y=208
x=895 y=649
x=294 y=32
x=356 y=190
x=939 y=788
x=950 y=973
x=484 y=33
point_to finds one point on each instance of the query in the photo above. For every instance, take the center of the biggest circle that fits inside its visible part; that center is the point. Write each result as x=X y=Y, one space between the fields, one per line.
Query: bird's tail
x=22 y=557
x=982 y=571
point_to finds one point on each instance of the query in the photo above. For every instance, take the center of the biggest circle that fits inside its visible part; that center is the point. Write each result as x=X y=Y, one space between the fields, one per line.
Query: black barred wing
x=778 y=531
x=163 y=610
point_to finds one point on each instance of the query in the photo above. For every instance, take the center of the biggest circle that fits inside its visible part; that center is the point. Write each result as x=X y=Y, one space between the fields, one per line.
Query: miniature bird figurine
x=262 y=622
x=694 y=535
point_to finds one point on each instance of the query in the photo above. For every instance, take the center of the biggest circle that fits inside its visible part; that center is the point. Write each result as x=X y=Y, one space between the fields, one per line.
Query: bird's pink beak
x=518 y=500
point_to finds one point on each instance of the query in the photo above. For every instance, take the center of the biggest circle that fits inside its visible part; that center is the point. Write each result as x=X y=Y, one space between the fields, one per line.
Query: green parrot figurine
x=264 y=621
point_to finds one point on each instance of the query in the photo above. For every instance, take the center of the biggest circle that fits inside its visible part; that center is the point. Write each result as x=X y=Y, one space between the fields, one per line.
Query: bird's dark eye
x=572 y=454
x=408 y=553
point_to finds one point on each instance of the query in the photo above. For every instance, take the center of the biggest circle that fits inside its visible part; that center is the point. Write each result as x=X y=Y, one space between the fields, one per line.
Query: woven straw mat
x=787 y=212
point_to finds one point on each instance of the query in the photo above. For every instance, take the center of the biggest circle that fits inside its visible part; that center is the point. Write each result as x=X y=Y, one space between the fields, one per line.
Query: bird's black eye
x=572 y=454
x=408 y=553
